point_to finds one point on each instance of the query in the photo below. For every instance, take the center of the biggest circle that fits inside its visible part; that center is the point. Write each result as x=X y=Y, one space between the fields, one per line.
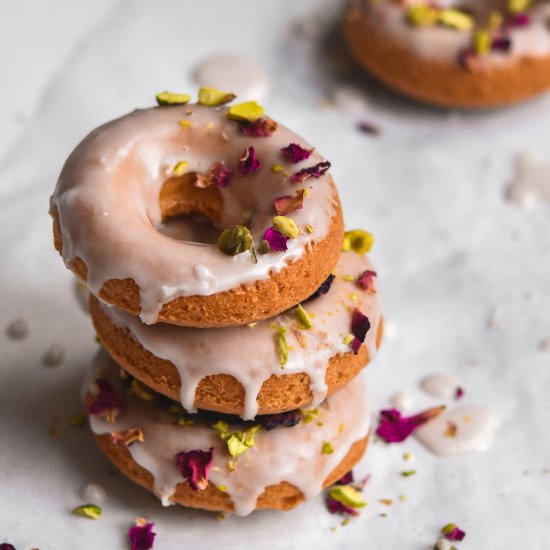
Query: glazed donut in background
x=265 y=189
x=244 y=370
x=273 y=463
x=481 y=53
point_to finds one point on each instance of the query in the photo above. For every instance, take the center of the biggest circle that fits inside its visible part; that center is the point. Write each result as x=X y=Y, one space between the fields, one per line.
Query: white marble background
x=449 y=250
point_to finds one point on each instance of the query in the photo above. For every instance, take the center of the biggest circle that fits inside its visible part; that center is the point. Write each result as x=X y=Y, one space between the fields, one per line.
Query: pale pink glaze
x=286 y=454
x=249 y=353
x=107 y=199
x=446 y=44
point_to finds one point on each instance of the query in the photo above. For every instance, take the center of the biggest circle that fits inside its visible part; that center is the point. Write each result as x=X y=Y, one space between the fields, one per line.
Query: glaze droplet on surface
x=18 y=329
x=440 y=385
x=92 y=493
x=231 y=73
x=457 y=431
x=531 y=183
x=54 y=356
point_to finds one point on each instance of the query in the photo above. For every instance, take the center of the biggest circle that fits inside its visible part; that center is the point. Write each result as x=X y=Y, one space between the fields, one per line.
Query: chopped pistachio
x=169 y=98
x=482 y=42
x=77 y=420
x=142 y=391
x=456 y=19
x=184 y=422
x=237 y=240
x=348 y=339
x=286 y=226
x=327 y=448
x=348 y=278
x=303 y=317
x=517 y=6
x=357 y=240
x=348 y=495
x=341 y=428
x=277 y=168
x=282 y=346
x=223 y=488
x=309 y=228
x=185 y=123
x=91 y=511
x=221 y=426
x=176 y=408
x=422 y=15
x=179 y=168
x=496 y=20
x=408 y=473
x=407 y=456
x=309 y=415
x=264 y=247
x=248 y=111
x=212 y=97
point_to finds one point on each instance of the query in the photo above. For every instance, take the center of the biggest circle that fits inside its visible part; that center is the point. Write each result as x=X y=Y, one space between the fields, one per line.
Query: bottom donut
x=220 y=463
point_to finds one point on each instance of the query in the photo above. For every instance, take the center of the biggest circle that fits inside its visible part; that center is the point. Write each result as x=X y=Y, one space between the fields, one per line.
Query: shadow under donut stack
x=233 y=376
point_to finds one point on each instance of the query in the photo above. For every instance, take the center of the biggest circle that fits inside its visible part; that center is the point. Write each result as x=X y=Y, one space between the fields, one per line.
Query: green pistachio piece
x=303 y=317
x=282 y=346
x=327 y=448
x=169 y=98
x=348 y=495
x=237 y=240
x=91 y=511
x=286 y=226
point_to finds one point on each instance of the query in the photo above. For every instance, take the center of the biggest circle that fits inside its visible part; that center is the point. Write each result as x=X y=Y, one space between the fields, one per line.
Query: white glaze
x=283 y=454
x=232 y=73
x=531 y=183
x=107 y=200
x=82 y=295
x=474 y=430
x=440 y=385
x=250 y=355
x=446 y=44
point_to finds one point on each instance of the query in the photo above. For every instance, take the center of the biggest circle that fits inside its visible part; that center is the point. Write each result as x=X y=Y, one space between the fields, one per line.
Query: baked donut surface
x=238 y=370
x=497 y=59
x=124 y=180
x=282 y=467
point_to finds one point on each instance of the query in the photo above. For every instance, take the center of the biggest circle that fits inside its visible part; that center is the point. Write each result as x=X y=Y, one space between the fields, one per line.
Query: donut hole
x=190 y=213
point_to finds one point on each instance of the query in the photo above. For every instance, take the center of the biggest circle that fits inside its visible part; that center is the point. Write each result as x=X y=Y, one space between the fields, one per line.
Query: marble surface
x=464 y=274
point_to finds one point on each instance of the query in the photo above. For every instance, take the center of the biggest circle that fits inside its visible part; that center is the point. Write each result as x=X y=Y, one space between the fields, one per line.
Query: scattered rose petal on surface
x=249 y=163
x=312 y=171
x=195 y=466
x=459 y=393
x=369 y=128
x=141 y=535
x=262 y=127
x=346 y=479
x=7 y=546
x=296 y=153
x=106 y=402
x=452 y=531
x=393 y=427
x=275 y=240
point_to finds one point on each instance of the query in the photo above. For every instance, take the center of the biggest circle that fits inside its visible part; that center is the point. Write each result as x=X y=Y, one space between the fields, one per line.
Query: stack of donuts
x=229 y=376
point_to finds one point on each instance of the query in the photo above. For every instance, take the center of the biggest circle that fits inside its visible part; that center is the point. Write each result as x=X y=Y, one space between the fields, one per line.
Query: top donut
x=471 y=53
x=267 y=191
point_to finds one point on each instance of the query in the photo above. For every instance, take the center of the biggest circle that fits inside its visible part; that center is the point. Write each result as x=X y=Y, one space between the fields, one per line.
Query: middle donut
x=290 y=361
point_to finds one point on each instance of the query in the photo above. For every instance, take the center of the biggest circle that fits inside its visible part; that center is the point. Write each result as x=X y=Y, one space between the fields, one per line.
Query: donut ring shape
x=237 y=370
x=284 y=466
x=118 y=186
x=438 y=65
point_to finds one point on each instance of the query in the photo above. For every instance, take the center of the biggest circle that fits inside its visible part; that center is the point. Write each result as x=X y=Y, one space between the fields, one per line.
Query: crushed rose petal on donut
x=106 y=403
x=323 y=289
x=296 y=153
x=195 y=466
x=286 y=204
x=262 y=127
x=312 y=171
x=452 y=531
x=366 y=280
x=360 y=325
x=220 y=175
x=141 y=535
x=249 y=163
x=127 y=437
x=210 y=97
x=393 y=427
x=286 y=419
x=275 y=240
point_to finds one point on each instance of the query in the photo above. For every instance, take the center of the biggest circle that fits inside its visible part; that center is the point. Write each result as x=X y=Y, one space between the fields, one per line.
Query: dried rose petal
x=106 y=402
x=519 y=20
x=369 y=128
x=336 y=507
x=286 y=204
x=142 y=536
x=220 y=175
x=459 y=393
x=263 y=127
x=286 y=419
x=360 y=325
x=451 y=531
x=313 y=171
x=323 y=289
x=296 y=153
x=249 y=163
x=394 y=427
x=501 y=43
x=194 y=466
x=7 y=546
x=366 y=280
x=275 y=240
x=346 y=479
